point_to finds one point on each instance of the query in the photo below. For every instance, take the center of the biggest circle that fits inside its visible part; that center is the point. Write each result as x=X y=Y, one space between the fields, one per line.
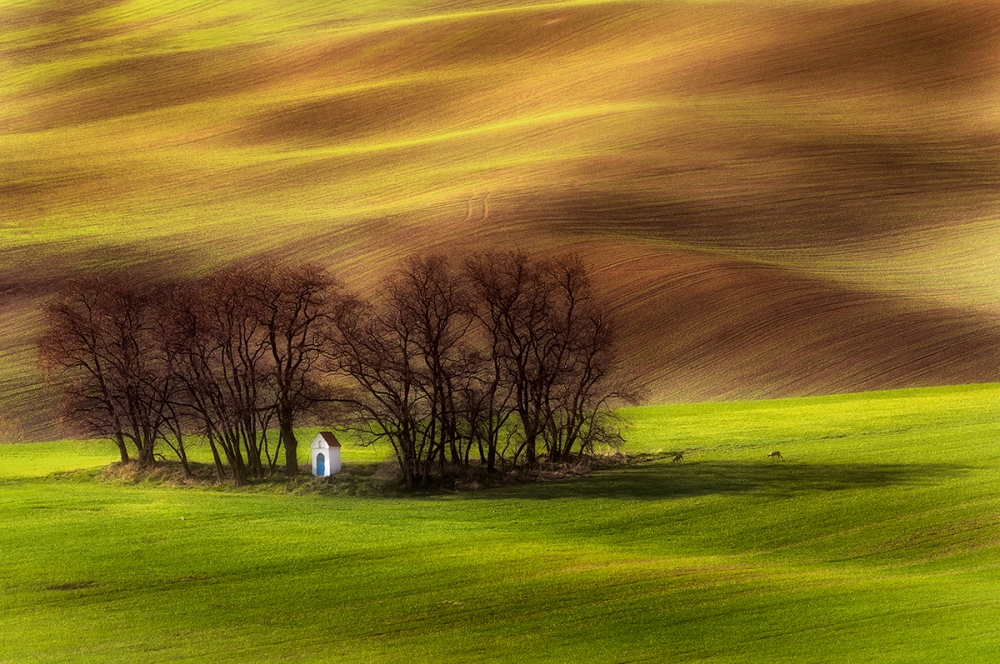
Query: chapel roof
x=328 y=438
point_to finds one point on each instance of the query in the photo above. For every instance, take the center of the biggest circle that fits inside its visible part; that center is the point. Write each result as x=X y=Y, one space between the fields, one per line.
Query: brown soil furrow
x=797 y=198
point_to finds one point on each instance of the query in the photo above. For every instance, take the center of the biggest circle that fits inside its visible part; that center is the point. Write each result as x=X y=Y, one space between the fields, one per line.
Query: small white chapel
x=325 y=454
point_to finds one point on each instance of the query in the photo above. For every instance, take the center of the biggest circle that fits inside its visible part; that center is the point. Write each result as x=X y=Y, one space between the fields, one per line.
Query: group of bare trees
x=497 y=362
x=231 y=356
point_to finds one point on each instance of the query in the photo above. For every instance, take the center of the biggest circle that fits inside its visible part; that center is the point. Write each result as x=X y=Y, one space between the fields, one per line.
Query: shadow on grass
x=649 y=478
x=656 y=481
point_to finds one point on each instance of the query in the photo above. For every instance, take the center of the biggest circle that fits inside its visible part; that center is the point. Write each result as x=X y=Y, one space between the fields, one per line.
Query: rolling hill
x=785 y=198
x=876 y=539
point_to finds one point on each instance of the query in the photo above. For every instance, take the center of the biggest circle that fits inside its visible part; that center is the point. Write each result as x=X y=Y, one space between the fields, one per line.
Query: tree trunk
x=234 y=455
x=530 y=459
x=408 y=474
x=238 y=468
x=456 y=456
x=182 y=453
x=146 y=459
x=491 y=460
x=219 y=468
x=291 y=445
x=122 y=449
x=239 y=476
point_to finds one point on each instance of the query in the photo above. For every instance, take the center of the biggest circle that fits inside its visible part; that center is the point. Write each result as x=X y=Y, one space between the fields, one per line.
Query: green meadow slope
x=780 y=199
x=877 y=539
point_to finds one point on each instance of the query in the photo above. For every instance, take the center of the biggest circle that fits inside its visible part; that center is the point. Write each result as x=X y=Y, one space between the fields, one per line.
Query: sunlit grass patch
x=875 y=538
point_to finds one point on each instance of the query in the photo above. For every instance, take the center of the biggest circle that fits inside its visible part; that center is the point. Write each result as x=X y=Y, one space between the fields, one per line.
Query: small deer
x=774 y=455
x=678 y=457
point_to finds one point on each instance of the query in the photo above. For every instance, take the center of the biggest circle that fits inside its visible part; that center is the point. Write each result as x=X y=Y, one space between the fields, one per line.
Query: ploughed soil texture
x=787 y=199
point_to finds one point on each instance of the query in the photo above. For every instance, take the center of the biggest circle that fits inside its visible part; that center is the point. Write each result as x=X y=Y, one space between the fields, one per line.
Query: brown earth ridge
x=778 y=199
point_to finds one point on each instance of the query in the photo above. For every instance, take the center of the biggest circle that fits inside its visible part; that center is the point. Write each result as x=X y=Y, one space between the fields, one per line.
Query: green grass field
x=782 y=200
x=779 y=199
x=876 y=540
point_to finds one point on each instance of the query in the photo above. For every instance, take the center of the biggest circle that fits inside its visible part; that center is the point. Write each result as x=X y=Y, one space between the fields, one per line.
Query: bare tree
x=405 y=355
x=292 y=305
x=100 y=337
x=496 y=286
x=375 y=350
x=578 y=402
x=515 y=304
x=552 y=350
x=219 y=353
x=434 y=304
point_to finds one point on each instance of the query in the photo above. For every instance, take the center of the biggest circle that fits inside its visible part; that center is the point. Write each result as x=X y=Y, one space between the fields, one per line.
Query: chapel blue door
x=320 y=465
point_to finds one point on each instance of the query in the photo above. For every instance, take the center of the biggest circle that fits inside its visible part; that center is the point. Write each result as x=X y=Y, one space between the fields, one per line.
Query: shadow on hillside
x=656 y=481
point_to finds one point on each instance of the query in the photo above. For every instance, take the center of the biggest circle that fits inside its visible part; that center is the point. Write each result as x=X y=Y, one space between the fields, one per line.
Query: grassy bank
x=875 y=540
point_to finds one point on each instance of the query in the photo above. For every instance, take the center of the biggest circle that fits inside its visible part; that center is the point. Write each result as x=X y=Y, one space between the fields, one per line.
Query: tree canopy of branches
x=499 y=361
x=100 y=337
x=292 y=305
x=501 y=357
x=219 y=353
x=406 y=357
x=226 y=356
x=552 y=348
